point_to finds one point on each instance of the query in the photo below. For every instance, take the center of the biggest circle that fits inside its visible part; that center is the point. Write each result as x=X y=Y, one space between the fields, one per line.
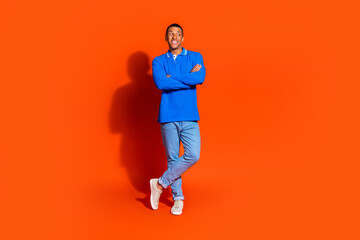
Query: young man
x=177 y=73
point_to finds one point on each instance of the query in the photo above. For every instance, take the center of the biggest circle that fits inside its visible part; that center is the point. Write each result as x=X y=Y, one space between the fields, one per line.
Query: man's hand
x=196 y=68
x=168 y=75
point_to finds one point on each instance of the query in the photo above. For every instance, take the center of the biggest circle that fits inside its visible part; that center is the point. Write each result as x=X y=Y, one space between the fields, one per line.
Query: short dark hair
x=174 y=25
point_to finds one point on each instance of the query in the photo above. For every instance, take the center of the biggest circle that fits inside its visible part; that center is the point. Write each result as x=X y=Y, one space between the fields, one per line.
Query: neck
x=176 y=51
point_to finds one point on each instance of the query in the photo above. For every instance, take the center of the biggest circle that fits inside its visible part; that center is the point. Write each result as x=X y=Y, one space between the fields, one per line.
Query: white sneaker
x=177 y=208
x=155 y=193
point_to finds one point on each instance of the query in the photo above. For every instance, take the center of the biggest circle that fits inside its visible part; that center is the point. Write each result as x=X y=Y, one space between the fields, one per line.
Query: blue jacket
x=178 y=97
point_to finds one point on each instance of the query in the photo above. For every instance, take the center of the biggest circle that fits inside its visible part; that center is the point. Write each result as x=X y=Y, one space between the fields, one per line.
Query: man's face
x=174 y=37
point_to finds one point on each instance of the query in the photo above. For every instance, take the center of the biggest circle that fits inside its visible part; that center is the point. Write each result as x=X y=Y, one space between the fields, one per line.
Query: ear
x=182 y=39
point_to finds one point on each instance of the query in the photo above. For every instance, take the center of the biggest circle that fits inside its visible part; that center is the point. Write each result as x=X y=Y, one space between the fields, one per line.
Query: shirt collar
x=183 y=52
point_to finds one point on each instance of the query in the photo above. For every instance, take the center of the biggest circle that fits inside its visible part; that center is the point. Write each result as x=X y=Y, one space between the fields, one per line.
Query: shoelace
x=177 y=204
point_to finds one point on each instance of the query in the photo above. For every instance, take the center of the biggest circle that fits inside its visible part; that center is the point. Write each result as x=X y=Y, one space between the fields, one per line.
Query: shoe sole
x=176 y=214
x=151 y=196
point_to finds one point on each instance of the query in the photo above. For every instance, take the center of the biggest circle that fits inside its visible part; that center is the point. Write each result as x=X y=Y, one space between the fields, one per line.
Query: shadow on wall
x=133 y=114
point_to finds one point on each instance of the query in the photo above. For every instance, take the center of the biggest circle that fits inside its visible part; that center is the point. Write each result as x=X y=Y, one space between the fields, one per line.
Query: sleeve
x=165 y=83
x=193 y=78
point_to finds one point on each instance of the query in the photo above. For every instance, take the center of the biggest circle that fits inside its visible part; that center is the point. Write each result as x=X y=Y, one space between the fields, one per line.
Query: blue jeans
x=188 y=133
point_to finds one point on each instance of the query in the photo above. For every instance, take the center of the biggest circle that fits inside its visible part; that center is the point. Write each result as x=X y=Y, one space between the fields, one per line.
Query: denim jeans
x=188 y=133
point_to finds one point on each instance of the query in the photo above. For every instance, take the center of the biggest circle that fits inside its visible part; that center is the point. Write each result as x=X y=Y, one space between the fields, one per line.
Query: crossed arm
x=178 y=81
x=163 y=82
x=196 y=75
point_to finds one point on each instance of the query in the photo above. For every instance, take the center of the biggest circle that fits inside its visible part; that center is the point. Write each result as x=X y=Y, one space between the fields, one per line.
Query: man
x=177 y=73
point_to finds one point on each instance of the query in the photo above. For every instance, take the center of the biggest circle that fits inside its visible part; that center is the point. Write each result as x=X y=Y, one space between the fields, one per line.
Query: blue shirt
x=178 y=97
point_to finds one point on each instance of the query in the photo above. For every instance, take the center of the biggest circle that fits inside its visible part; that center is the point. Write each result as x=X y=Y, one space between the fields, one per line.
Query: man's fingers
x=196 y=68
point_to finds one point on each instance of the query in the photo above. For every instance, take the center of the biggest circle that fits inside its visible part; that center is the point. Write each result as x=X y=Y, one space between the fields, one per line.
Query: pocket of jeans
x=165 y=125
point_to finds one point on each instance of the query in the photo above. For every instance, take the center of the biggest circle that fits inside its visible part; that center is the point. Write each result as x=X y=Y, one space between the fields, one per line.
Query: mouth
x=173 y=42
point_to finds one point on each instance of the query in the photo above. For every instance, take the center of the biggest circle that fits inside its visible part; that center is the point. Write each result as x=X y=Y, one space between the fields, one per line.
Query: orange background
x=279 y=124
